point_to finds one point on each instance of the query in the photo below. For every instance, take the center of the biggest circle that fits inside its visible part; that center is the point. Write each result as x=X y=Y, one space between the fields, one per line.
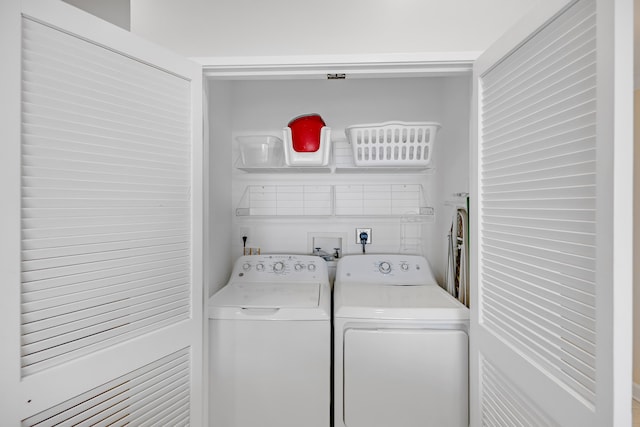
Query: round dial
x=278 y=267
x=384 y=267
x=404 y=266
x=260 y=267
x=246 y=266
x=299 y=267
x=312 y=267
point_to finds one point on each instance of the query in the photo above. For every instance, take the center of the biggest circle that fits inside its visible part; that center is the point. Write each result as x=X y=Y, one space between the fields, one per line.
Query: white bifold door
x=551 y=300
x=101 y=224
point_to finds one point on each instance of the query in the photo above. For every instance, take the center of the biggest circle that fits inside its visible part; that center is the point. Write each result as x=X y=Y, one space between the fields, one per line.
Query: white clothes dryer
x=400 y=345
x=270 y=344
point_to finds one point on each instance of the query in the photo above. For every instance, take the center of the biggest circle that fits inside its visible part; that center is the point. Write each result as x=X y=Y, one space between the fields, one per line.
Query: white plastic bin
x=260 y=150
x=315 y=158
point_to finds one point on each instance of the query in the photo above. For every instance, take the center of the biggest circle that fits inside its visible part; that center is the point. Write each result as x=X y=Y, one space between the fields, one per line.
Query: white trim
x=10 y=87
x=206 y=251
x=475 y=409
x=317 y=66
x=199 y=189
x=418 y=57
x=620 y=22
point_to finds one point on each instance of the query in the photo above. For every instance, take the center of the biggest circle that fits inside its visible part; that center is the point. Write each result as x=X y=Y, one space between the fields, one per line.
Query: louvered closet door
x=103 y=320
x=551 y=329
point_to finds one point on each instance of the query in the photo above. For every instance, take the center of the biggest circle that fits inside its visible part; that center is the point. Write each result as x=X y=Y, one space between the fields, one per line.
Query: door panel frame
x=23 y=397
x=615 y=171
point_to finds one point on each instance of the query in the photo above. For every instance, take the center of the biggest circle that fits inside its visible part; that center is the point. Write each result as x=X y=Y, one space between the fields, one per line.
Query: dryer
x=400 y=345
x=270 y=344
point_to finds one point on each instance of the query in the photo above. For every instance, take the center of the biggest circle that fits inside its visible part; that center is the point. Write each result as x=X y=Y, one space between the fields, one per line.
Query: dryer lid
x=429 y=302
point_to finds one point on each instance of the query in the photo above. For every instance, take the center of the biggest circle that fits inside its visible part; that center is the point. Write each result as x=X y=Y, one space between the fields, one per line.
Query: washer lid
x=276 y=301
x=268 y=295
x=429 y=302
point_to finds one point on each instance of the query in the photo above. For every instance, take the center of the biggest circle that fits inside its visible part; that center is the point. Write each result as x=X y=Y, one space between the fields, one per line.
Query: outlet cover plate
x=366 y=230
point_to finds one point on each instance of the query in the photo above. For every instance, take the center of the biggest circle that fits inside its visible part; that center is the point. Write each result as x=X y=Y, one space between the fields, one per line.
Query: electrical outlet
x=366 y=230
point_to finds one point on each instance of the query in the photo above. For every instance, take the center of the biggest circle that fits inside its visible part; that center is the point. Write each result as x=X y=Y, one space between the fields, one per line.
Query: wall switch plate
x=366 y=230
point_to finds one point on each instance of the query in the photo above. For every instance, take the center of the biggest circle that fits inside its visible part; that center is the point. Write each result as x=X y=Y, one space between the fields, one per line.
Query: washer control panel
x=288 y=268
x=385 y=269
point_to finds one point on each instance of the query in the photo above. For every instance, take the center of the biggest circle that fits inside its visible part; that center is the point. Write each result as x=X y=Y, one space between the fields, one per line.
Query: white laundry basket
x=392 y=143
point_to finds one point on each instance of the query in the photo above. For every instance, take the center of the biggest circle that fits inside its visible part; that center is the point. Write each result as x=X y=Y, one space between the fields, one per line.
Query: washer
x=270 y=344
x=400 y=345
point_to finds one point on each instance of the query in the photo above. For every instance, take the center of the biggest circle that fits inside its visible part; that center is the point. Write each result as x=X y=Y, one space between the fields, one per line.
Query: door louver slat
x=157 y=393
x=537 y=183
x=504 y=405
x=106 y=203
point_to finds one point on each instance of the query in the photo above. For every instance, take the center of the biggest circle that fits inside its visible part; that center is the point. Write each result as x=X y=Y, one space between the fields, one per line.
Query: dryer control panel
x=281 y=268
x=393 y=269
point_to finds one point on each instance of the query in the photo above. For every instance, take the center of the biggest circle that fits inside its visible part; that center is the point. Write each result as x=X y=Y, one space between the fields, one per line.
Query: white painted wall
x=452 y=166
x=220 y=256
x=265 y=106
x=204 y=28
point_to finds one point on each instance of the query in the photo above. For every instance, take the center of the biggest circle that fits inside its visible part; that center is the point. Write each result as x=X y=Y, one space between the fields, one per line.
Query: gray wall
x=117 y=12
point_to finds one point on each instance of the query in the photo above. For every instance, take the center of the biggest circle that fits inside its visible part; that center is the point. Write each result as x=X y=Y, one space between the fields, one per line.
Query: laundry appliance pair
x=399 y=345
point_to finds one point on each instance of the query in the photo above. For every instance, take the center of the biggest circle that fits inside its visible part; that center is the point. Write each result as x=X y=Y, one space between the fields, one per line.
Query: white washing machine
x=400 y=345
x=270 y=344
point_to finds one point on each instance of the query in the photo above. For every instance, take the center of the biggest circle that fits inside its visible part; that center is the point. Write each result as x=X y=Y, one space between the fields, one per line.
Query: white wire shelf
x=362 y=200
x=341 y=162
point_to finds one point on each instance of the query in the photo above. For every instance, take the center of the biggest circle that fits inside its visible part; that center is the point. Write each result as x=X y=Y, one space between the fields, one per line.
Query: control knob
x=299 y=267
x=384 y=267
x=312 y=267
x=260 y=267
x=278 y=267
x=404 y=266
x=246 y=266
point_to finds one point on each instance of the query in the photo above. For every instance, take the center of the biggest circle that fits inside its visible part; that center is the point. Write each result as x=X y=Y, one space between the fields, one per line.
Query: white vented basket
x=392 y=143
